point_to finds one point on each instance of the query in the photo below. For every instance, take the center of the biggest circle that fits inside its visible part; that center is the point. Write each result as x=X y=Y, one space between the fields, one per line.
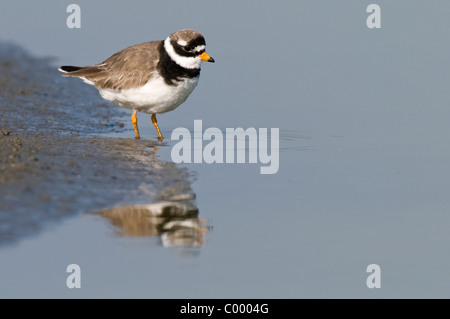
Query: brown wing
x=129 y=68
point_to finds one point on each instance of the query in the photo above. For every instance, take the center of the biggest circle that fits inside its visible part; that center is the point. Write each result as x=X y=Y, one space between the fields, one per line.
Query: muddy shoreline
x=55 y=160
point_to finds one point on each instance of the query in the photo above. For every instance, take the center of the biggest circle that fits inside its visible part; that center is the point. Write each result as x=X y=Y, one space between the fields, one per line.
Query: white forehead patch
x=183 y=61
x=182 y=42
x=199 y=48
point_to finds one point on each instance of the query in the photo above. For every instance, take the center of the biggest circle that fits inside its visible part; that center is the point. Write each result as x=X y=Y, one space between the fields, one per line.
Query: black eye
x=188 y=48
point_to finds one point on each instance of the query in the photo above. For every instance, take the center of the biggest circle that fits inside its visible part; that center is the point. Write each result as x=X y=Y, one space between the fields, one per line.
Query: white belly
x=156 y=96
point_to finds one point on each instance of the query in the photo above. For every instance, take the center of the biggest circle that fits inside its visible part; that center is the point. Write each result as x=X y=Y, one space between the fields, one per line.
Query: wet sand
x=55 y=157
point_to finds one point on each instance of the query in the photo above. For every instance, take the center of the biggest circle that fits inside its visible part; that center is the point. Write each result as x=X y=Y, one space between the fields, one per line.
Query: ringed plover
x=152 y=77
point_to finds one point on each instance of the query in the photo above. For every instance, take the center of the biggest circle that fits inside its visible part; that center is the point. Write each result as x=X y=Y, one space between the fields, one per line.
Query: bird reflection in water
x=175 y=222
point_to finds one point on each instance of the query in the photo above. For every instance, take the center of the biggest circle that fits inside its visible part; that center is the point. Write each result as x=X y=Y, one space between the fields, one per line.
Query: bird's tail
x=69 y=68
x=87 y=73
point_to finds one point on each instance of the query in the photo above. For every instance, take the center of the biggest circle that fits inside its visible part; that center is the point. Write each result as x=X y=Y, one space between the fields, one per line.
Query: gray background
x=364 y=162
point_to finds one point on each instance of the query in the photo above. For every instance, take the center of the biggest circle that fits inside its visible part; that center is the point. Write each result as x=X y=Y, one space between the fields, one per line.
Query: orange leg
x=135 y=126
x=155 y=123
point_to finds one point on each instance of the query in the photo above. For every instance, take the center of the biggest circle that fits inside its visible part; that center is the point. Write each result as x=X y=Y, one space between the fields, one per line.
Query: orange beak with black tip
x=205 y=57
